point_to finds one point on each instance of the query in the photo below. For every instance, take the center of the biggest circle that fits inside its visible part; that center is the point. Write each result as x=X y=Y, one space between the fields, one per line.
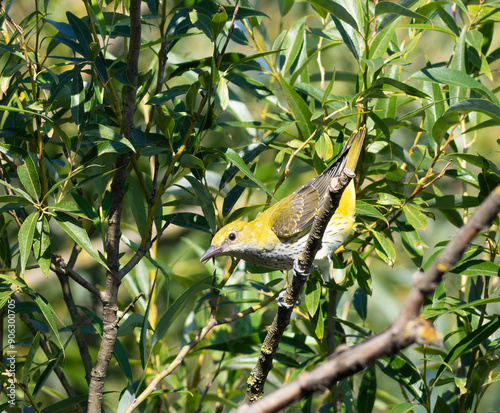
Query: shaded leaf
x=25 y=237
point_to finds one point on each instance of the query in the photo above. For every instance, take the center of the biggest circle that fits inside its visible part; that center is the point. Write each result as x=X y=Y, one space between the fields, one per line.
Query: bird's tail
x=350 y=154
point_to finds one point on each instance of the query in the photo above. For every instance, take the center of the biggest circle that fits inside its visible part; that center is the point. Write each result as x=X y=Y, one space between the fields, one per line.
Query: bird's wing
x=296 y=212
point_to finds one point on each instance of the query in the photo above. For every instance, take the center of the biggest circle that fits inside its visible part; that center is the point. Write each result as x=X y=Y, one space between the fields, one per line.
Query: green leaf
x=364 y=208
x=81 y=32
x=384 y=248
x=312 y=296
x=188 y=220
x=41 y=245
x=454 y=77
x=387 y=7
x=77 y=97
x=411 y=243
x=28 y=175
x=360 y=271
x=30 y=356
x=404 y=407
x=471 y=340
x=48 y=312
x=98 y=131
x=73 y=228
x=349 y=42
x=367 y=389
x=222 y=95
x=453 y=114
x=477 y=268
x=319 y=322
x=360 y=303
x=416 y=218
x=382 y=39
x=218 y=21
x=234 y=158
x=177 y=306
x=206 y=203
x=25 y=237
x=337 y=10
x=293 y=43
x=299 y=109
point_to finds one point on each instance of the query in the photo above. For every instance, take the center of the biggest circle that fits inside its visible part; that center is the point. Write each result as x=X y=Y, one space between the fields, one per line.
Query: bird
x=279 y=234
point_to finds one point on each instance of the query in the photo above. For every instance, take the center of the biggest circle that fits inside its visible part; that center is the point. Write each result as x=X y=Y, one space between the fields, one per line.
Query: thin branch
x=61 y=268
x=188 y=347
x=408 y=328
x=259 y=373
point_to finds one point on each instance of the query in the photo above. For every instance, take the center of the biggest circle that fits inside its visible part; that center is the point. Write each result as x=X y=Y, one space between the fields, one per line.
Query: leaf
x=404 y=407
x=30 y=356
x=206 y=203
x=453 y=114
x=360 y=271
x=293 y=43
x=73 y=228
x=81 y=32
x=477 y=268
x=336 y=10
x=25 y=237
x=222 y=95
x=471 y=340
x=299 y=109
x=382 y=39
x=234 y=158
x=360 y=303
x=218 y=21
x=312 y=296
x=41 y=245
x=188 y=220
x=364 y=208
x=177 y=306
x=384 y=248
x=454 y=77
x=349 y=42
x=367 y=389
x=387 y=7
x=416 y=218
x=77 y=97
x=28 y=175
x=411 y=243
x=48 y=312
x=98 y=131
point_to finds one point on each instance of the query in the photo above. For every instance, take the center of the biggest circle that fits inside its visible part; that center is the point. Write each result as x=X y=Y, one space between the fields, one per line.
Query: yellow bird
x=278 y=235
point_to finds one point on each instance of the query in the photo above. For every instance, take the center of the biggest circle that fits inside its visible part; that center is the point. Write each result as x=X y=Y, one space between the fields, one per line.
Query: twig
x=407 y=329
x=281 y=321
x=61 y=268
x=129 y=307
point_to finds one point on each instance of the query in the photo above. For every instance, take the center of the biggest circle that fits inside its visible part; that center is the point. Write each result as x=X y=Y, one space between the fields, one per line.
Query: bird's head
x=234 y=239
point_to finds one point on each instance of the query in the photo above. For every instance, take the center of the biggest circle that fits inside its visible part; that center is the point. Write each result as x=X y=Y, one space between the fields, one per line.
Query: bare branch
x=407 y=329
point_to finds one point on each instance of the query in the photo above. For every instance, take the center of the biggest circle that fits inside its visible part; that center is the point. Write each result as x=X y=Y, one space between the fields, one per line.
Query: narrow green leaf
x=360 y=303
x=319 y=320
x=222 y=95
x=416 y=218
x=476 y=268
x=77 y=97
x=234 y=158
x=387 y=7
x=218 y=21
x=25 y=237
x=404 y=407
x=28 y=175
x=349 y=42
x=336 y=10
x=455 y=77
x=41 y=245
x=30 y=356
x=411 y=243
x=457 y=92
x=46 y=373
x=299 y=109
x=448 y=20
x=312 y=296
x=81 y=32
x=293 y=42
x=206 y=203
x=73 y=228
x=382 y=39
x=98 y=131
x=384 y=248
x=177 y=306
x=470 y=341
x=48 y=312
x=453 y=114
x=367 y=389
x=360 y=271
x=364 y=208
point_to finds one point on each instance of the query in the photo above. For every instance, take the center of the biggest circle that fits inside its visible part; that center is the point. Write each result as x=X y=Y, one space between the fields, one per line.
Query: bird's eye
x=232 y=236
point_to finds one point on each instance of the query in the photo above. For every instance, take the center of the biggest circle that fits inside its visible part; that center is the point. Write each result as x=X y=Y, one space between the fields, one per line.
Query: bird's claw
x=298 y=272
x=281 y=300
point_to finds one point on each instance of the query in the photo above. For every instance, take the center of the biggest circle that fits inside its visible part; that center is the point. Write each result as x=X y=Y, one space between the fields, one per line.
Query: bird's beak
x=213 y=251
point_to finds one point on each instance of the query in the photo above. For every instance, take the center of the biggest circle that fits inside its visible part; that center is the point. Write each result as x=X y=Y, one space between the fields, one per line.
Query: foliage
x=224 y=112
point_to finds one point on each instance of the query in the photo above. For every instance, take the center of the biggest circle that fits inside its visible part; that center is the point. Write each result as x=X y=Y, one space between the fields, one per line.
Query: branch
x=113 y=280
x=61 y=268
x=408 y=328
x=302 y=268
